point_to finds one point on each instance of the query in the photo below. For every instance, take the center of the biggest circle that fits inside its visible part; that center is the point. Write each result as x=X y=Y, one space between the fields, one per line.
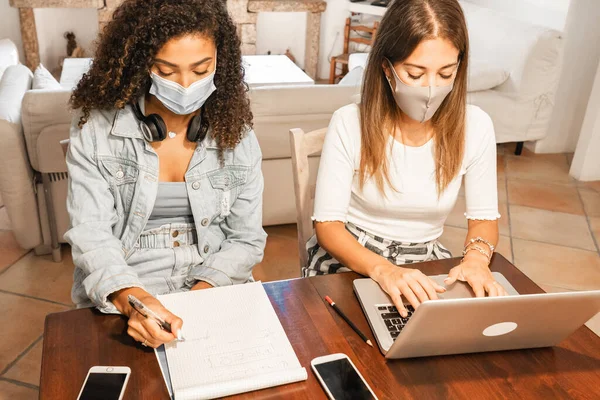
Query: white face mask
x=418 y=102
x=181 y=100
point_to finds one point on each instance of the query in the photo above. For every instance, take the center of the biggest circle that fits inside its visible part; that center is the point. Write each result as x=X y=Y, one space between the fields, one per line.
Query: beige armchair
x=33 y=173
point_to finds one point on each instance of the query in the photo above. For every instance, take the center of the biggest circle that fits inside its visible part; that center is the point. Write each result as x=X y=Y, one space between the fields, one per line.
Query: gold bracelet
x=479 y=239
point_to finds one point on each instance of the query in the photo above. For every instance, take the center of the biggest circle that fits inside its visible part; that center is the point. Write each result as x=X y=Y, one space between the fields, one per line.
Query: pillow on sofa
x=484 y=76
x=357 y=60
x=15 y=82
x=43 y=79
x=353 y=78
x=8 y=55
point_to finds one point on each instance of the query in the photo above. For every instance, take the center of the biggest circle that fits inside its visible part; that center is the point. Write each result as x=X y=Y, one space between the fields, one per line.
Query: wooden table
x=76 y=340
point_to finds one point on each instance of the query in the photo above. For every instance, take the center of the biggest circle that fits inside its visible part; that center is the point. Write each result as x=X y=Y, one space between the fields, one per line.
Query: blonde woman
x=392 y=166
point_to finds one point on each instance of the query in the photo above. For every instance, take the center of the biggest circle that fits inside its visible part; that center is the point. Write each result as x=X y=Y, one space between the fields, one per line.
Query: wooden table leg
x=29 y=37
x=311 y=55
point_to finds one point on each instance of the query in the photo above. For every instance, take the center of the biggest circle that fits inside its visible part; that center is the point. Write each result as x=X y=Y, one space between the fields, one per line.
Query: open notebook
x=234 y=344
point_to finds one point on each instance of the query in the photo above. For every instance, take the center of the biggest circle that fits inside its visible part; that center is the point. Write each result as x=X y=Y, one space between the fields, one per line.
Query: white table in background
x=272 y=70
x=275 y=70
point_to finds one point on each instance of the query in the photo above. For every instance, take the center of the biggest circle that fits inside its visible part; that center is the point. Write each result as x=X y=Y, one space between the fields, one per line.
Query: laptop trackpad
x=462 y=290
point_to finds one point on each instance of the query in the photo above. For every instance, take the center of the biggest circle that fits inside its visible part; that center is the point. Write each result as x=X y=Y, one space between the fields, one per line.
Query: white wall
x=551 y=13
x=586 y=166
x=9 y=25
x=581 y=57
x=279 y=31
x=52 y=23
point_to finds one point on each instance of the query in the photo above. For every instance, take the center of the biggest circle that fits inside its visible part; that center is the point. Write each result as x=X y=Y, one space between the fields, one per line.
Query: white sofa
x=520 y=107
x=513 y=75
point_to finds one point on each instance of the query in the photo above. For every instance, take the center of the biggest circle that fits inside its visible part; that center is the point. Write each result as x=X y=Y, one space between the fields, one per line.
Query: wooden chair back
x=304 y=145
x=366 y=34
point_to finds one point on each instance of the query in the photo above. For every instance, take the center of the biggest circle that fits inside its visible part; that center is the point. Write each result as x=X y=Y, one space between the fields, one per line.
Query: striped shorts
x=398 y=253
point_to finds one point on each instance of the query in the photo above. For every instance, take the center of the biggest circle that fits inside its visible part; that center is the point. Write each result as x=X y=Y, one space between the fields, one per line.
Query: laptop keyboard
x=392 y=318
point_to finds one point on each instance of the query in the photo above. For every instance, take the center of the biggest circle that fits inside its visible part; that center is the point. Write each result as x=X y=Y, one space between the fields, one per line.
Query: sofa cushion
x=277 y=109
x=43 y=79
x=484 y=76
x=15 y=82
x=9 y=55
x=357 y=60
x=353 y=78
x=43 y=109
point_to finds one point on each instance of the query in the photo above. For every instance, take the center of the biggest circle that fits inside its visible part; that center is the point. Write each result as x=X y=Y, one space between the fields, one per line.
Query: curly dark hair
x=128 y=44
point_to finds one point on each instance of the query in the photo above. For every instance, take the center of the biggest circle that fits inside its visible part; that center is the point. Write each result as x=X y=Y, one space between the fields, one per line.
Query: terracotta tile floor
x=550 y=228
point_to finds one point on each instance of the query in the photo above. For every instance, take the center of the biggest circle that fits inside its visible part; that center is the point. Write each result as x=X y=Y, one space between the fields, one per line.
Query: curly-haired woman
x=165 y=189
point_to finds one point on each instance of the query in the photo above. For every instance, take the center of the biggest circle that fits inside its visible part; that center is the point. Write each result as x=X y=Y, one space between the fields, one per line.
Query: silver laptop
x=460 y=323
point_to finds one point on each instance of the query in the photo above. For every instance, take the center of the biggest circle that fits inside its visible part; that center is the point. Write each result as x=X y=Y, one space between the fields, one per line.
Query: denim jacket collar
x=127 y=125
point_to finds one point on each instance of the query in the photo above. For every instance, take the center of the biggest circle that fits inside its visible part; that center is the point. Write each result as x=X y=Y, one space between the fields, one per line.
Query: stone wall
x=246 y=24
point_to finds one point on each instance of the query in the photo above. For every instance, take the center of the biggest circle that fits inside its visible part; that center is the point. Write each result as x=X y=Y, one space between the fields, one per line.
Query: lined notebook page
x=234 y=343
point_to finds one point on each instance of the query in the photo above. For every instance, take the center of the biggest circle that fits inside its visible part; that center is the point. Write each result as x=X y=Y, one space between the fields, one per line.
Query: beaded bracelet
x=477 y=248
x=479 y=239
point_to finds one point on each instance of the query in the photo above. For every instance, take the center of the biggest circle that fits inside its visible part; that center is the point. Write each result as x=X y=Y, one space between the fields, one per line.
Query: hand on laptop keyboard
x=394 y=322
x=407 y=282
x=478 y=275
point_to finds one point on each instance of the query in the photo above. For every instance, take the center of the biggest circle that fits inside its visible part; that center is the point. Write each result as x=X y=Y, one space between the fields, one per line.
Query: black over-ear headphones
x=154 y=128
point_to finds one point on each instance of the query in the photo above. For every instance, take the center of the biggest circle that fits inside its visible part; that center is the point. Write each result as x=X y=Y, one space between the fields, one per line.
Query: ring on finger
x=145 y=344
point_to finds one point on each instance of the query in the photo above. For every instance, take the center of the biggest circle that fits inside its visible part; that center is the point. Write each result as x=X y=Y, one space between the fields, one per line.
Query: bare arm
x=484 y=229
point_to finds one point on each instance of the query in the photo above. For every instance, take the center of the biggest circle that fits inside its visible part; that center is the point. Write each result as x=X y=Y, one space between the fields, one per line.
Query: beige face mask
x=418 y=102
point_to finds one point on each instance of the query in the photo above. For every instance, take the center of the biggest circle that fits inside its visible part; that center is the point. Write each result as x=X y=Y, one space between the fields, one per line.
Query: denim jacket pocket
x=121 y=171
x=227 y=182
x=228 y=177
x=122 y=176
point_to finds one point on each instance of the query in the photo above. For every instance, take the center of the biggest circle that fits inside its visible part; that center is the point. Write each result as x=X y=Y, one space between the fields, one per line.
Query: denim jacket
x=113 y=182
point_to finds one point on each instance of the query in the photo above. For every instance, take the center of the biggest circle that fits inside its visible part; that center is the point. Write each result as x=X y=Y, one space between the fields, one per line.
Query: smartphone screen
x=103 y=386
x=343 y=381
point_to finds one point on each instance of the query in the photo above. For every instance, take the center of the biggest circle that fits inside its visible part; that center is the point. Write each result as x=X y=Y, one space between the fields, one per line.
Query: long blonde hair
x=405 y=24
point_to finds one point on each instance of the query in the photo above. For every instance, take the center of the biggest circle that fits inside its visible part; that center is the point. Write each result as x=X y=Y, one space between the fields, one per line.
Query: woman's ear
x=387 y=69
